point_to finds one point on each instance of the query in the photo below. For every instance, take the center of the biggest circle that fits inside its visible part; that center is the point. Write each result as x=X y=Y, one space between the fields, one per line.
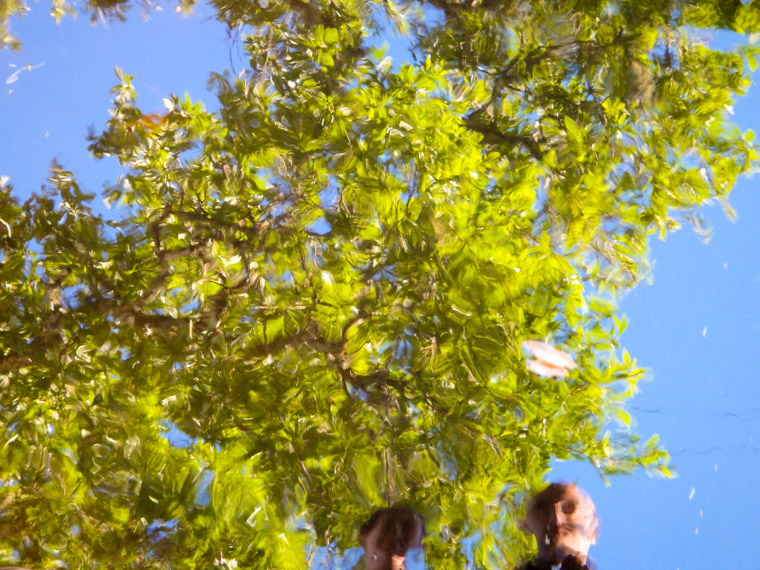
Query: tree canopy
x=312 y=302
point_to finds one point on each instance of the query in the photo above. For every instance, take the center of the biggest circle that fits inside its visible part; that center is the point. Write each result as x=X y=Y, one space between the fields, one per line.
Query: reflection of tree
x=314 y=300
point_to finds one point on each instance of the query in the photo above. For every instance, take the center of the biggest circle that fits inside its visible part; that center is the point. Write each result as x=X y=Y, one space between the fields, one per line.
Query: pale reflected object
x=13 y=77
x=548 y=361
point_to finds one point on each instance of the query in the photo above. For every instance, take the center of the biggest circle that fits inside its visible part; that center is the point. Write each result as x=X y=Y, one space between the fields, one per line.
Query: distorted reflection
x=563 y=519
x=548 y=361
x=392 y=539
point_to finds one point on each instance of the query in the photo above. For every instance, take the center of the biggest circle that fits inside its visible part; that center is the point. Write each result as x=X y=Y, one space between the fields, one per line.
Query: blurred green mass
x=312 y=302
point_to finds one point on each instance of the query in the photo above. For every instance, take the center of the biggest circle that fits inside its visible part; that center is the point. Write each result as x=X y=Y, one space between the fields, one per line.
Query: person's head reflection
x=389 y=535
x=563 y=519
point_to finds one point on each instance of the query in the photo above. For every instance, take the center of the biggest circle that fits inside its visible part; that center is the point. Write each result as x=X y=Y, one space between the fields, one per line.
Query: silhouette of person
x=563 y=519
x=388 y=535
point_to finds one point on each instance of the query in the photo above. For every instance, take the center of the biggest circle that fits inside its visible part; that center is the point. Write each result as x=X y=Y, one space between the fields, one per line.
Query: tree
x=326 y=285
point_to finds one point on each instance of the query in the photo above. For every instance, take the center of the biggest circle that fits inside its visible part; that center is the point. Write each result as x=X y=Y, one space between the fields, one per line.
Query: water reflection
x=563 y=519
x=389 y=535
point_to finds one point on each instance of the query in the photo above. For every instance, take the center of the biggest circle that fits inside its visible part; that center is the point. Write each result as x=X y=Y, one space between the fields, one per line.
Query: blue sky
x=696 y=327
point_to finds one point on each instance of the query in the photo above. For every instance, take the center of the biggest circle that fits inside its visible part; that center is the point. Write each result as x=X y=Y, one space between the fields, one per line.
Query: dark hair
x=397 y=527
